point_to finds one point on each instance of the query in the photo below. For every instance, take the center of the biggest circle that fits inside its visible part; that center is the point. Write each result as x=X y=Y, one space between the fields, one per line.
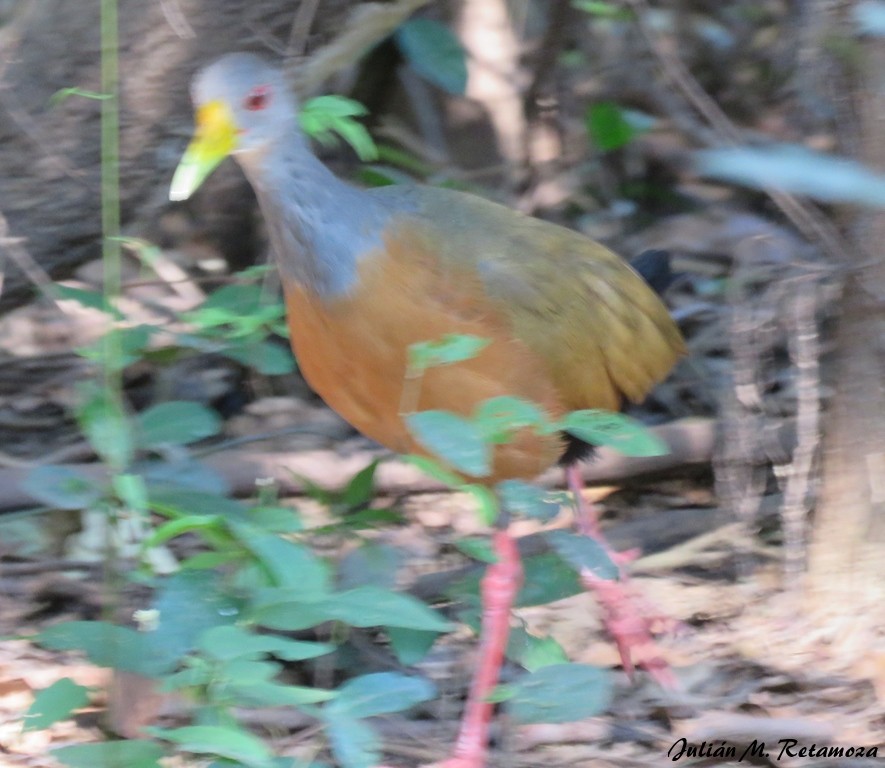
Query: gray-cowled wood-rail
x=368 y=273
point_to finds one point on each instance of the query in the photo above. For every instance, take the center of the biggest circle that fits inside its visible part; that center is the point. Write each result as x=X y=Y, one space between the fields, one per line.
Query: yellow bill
x=214 y=139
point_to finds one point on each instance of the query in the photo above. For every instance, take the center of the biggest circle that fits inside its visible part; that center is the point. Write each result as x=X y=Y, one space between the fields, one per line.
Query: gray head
x=260 y=101
x=243 y=106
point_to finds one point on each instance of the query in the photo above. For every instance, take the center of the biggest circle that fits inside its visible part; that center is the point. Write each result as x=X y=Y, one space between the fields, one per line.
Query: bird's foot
x=632 y=626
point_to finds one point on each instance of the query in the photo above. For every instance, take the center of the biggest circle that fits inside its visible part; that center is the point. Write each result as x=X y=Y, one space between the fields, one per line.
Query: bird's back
x=571 y=324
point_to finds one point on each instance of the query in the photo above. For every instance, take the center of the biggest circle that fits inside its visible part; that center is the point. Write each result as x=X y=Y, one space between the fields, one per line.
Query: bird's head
x=243 y=105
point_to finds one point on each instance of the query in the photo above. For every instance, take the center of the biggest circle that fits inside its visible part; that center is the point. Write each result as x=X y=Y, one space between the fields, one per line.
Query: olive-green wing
x=603 y=331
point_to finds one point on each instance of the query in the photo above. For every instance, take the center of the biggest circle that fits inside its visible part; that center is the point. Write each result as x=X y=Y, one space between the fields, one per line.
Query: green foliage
x=380 y=694
x=325 y=116
x=499 y=417
x=480 y=549
x=451 y=348
x=583 y=552
x=104 y=421
x=434 y=53
x=235 y=321
x=453 y=438
x=607 y=126
x=533 y=652
x=221 y=741
x=134 y=753
x=529 y=500
x=354 y=742
x=559 y=693
x=61 y=487
x=365 y=606
x=603 y=10
x=57 y=702
x=176 y=423
x=615 y=430
x=410 y=645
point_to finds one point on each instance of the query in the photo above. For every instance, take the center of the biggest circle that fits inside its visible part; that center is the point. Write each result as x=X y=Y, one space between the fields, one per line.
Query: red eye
x=257 y=99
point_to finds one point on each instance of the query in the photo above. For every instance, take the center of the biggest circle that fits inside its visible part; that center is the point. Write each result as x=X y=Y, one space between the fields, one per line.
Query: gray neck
x=319 y=226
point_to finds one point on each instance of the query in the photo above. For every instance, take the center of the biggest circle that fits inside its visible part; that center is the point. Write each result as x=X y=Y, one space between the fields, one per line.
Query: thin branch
x=804 y=216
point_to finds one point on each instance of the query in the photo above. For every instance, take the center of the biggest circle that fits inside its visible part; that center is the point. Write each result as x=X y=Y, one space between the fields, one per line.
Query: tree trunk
x=49 y=154
x=847 y=556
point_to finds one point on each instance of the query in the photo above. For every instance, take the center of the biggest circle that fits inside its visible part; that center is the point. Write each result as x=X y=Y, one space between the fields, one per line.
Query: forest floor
x=751 y=662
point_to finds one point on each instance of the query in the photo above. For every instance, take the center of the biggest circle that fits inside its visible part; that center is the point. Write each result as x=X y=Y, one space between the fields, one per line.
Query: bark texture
x=49 y=155
x=847 y=558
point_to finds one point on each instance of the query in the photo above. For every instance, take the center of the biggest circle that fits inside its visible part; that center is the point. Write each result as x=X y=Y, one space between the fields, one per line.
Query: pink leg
x=627 y=621
x=500 y=586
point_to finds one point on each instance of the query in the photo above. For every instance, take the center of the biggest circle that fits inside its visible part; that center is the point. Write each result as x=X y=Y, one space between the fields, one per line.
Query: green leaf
x=451 y=348
x=361 y=488
x=182 y=473
x=131 y=490
x=196 y=675
x=249 y=671
x=410 y=645
x=61 y=487
x=230 y=743
x=188 y=603
x=454 y=439
x=795 y=169
x=354 y=743
x=133 y=753
x=560 y=693
x=129 y=346
x=292 y=565
x=603 y=10
x=499 y=417
x=235 y=300
x=521 y=498
x=276 y=519
x=55 y=703
x=480 y=549
x=370 y=563
x=182 y=525
x=487 y=507
x=266 y=357
x=583 y=552
x=232 y=642
x=324 y=116
x=547 y=579
x=366 y=606
x=85 y=298
x=370 y=606
x=109 y=645
x=175 y=502
x=434 y=53
x=607 y=126
x=617 y=431
x=177 y=422
x=381 y=693
x=268 y=693
x=434 y=469
x=107 y=428
x=534 y=652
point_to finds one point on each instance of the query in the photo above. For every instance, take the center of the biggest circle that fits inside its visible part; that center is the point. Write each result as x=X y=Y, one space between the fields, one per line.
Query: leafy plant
x=611 y=127
x=434 y=53
x=325 y=116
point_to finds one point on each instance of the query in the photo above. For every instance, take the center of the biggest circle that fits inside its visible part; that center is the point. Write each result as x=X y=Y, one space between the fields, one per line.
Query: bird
x=368 y=273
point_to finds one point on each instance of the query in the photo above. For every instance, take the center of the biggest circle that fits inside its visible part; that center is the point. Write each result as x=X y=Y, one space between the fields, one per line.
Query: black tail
x=654 y=267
